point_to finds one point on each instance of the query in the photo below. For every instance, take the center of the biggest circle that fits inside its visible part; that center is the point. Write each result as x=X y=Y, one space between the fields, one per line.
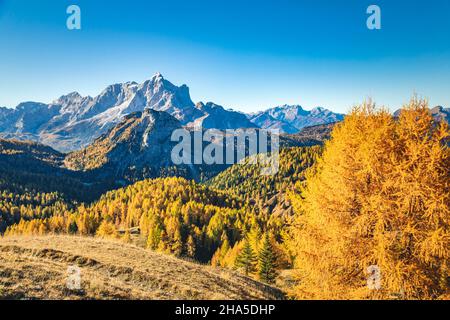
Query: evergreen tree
x=267 y=260
x=73 y=227
x=246 y=259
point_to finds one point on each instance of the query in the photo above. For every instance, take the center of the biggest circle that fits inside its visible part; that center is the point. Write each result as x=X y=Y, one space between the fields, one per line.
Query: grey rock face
x=73 y=121
x=291 y=119
x=216 y=117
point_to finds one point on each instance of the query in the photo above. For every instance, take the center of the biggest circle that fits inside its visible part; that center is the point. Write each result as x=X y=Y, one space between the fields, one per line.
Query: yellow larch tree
x=378 y=197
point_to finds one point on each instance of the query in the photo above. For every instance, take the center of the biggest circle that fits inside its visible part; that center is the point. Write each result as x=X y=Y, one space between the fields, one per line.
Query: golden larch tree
x=378 y=198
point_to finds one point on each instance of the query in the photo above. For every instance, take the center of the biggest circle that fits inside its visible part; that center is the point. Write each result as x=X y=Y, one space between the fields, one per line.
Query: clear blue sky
x=243 y=54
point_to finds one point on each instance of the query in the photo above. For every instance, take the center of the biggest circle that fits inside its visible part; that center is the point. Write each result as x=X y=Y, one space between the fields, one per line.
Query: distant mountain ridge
x=73 y=121
x=292 y=119
x=216 y=117
x=441 y=114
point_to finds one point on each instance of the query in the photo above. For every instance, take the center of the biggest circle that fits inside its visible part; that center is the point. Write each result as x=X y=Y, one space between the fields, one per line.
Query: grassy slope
x=36 y=268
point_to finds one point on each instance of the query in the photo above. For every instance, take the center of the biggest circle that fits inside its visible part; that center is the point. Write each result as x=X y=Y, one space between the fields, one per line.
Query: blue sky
x=247 y=55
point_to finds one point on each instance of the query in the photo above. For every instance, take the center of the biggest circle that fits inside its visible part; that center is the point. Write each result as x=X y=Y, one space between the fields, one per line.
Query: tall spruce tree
x=267 y=260
x=247 y=259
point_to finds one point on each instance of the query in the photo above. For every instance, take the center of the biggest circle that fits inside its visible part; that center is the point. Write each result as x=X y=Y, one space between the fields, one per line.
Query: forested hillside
x=245 y=180
x=35 y=168
x=173 y=215
x=170 y=215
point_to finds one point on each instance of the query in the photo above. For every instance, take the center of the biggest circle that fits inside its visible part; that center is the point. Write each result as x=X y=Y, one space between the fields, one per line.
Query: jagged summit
x=73 y=121
x=157 y=77
x=72 y=95
x=293 y=118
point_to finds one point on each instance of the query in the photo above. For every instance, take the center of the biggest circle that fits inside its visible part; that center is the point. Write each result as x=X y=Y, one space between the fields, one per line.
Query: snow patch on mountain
x=72 y=121
x=293 y=118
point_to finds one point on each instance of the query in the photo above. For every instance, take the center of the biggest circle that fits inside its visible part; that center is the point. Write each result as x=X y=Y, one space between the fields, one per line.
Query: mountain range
x=292 y=119
x=140 y=146
x=73 y=121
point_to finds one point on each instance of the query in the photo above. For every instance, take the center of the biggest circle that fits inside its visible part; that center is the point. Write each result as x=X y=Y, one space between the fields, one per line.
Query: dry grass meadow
x=36 y=268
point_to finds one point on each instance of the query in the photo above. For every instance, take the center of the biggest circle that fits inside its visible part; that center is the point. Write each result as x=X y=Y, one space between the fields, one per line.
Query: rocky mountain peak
x=141 y=139
x=293 y=118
